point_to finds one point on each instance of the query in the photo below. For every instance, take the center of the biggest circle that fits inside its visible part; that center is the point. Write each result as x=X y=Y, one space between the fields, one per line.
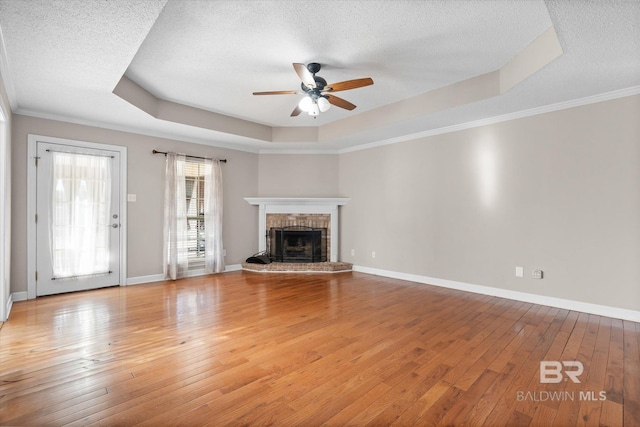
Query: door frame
x=32 y=141
x=5 y=217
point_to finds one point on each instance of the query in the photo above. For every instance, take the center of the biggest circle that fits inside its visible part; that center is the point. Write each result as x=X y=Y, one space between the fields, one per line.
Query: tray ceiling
x=196 y=63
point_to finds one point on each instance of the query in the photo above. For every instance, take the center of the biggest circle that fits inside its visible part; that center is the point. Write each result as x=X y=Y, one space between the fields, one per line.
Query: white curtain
x=213 y=247
x=80 y=209
x=176 y=261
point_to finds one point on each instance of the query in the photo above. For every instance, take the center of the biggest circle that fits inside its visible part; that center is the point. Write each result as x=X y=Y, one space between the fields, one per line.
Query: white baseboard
x=585 y=307
x=18 y=296
x=22 y=296
x=15 y=296
x=8 y=308
x=145 y=279
x=160 y=277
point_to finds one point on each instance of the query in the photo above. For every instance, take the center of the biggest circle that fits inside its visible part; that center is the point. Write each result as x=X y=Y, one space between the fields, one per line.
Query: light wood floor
x=247 y=348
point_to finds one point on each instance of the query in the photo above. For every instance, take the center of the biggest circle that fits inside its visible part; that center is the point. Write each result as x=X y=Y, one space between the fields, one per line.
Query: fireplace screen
x=298 y=244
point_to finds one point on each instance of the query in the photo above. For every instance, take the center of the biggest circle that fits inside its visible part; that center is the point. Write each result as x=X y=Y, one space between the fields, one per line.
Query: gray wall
x=558 y=191
x=146 y=180
x=298 y=175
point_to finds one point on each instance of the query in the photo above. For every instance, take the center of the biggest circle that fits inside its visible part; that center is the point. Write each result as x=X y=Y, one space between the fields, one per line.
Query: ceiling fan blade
x=339 y=102
x=279 y=92
x=305 y=75
x=296 y=111
x=349 y=84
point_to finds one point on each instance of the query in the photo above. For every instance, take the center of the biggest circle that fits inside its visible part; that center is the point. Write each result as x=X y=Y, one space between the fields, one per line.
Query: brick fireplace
x=295 y=215
x=298 y=237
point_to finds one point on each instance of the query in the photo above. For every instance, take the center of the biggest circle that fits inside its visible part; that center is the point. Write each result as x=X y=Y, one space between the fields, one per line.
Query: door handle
x=115 y=225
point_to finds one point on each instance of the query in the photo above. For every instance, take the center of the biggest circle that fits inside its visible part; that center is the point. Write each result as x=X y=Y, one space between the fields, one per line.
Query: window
x=192 y=217
x=194 y=182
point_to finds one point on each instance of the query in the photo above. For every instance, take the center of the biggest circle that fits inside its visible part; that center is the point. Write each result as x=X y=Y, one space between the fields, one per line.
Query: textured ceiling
x=62 y=59
x=215 y=54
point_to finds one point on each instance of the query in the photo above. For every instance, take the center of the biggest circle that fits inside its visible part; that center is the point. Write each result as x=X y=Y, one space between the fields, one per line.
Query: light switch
x=131 y=197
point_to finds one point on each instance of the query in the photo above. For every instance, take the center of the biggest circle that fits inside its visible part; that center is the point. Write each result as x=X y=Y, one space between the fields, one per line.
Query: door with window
x=78 y=224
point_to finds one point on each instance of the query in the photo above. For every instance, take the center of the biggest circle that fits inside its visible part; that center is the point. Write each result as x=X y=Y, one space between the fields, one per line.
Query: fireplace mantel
x=298 y=205
x=297 y=201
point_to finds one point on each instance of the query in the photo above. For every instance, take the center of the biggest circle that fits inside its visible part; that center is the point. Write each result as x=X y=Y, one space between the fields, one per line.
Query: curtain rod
x=193 y=157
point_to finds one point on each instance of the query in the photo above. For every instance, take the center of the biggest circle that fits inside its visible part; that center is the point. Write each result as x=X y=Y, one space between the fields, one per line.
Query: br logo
x=551 y=371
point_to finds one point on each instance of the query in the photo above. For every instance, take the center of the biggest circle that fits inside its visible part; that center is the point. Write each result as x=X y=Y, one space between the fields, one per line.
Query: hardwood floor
x=247 y=348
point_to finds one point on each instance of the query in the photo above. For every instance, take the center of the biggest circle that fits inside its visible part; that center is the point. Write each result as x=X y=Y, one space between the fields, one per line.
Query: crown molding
x=608 y=96
x=300 y=151
x=136 y=131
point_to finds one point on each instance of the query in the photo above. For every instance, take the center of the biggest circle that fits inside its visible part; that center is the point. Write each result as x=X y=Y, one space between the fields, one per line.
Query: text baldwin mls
x=545 y=396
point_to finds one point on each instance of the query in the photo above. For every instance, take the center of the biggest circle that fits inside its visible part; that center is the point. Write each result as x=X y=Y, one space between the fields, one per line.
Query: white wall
x=5 y=203
x=558 y=191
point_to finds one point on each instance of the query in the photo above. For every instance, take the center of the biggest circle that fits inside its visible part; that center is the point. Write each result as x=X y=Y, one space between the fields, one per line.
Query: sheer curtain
x=80 y=205
x=214 y=252
x=176 y=261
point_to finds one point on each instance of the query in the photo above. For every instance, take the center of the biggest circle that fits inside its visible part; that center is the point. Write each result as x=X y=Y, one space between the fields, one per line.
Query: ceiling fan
x=318 y=93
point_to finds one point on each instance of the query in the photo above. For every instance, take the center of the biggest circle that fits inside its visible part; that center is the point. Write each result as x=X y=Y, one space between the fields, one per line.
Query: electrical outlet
x=519 y=272
x=537 y=274
x=373 y=254
x=353 y=252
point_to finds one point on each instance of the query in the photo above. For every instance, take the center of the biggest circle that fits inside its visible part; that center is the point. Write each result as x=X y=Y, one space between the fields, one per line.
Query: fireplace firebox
x=297 y=244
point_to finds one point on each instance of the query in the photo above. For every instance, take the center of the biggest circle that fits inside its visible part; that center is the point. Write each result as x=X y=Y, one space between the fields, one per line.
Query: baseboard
x=139 y=280
x=8 y=308
x=145 y=279
x=15 y=296
x=22 y=296
x=600 y=310
x=18 y=296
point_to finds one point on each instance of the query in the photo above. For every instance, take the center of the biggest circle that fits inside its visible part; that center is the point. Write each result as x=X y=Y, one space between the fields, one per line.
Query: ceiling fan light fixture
x=314 y=110
x=323 y=104
x=314 y=88
x=305 y=104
